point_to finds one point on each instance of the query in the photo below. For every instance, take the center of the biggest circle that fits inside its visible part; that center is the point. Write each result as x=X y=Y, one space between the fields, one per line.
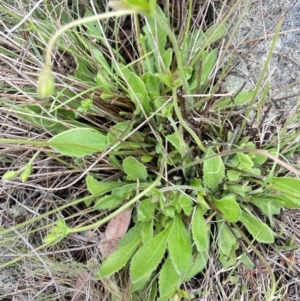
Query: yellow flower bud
x=9 y=175
x=46 y=83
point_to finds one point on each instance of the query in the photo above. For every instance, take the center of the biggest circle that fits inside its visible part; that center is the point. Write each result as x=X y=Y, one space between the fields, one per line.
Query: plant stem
x=80 y=22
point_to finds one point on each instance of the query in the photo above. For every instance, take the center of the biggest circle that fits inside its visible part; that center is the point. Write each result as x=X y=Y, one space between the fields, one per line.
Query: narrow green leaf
x=199 y=230
x=179 y=245
x=259 y=230
x=118 y=259
x=229 y=208
x=287 y=185
x=214 y=171
x=147 y=258
x=169 y=281
x=209 y=62
x=79 y=142
x=138 y=87
x=167 y=58
x=134 y=169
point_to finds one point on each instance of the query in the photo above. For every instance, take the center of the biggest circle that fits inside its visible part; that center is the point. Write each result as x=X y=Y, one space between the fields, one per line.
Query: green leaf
x=146 y=210
x=118 y=131
x=242 y=161
x=199 y=229
x=268 y=206
x=229 y=208
x=167 y=58
x=178 y=143
x=138 y=94
x=286 y=185
x=209 y=62
x=134 y=169
x=179 y=245
x=259 y=230
x=244 y=97
x=147 y=231
x=214 y=171
x=108 y=202
x=169 y=281
x=147 y=258
x=215 y=32
x=99 y=188
x=226 y=240
x=78 y=142
x=118 y=259
x=57 y=233
x=185 y=203
x=197 y=265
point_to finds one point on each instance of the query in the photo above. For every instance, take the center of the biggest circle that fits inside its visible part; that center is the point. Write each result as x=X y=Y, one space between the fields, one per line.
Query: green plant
x=175 y=183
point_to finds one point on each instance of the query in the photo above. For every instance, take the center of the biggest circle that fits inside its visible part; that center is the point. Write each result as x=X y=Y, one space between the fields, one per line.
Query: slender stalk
x=80 y=22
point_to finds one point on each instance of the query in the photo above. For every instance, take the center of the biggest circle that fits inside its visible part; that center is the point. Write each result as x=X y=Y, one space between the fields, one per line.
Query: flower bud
x=9 y=175
x=46 y=83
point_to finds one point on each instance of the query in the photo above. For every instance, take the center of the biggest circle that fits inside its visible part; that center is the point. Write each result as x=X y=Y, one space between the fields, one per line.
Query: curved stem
x=80 y=22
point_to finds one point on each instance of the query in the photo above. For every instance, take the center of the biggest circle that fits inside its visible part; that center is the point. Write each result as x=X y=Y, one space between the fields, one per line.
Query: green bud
x=9 y=175
x=46 y=83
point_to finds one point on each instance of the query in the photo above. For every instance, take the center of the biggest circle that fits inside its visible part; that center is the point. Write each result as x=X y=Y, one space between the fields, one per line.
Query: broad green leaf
x=214 y=171
x=259 y=230
x=152 y=85
x=146 y=210
x=244 y=97
x=229 y=208
x=242 y=161
x=138 y=93
x=108 y=202
x=185 y=203
x=233 y=175
x=169 y=281
x=268 y=206
x=179 y=245
x=286 y=185
x=226 y=240
x=147 y=258
x=178 y=143
x=199 y=230
x=79 y=142
x=288 y=201
x=134 y=169
x=118 y=259
x=96 y=187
